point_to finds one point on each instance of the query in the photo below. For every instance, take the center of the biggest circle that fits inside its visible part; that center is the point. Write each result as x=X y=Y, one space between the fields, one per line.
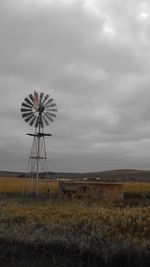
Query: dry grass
x=21 y=185
x=117 y=221
x=86 y=235
x=77 y=228
x=137 y=187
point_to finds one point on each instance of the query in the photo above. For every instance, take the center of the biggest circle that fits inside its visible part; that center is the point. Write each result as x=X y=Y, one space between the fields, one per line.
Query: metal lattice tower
x=38 y=110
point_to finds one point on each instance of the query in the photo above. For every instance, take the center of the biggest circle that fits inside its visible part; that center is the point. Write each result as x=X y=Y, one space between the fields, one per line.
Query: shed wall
x=91 y=190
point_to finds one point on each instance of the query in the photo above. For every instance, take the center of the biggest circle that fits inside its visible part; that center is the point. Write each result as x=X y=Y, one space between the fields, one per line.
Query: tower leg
x=37 y=165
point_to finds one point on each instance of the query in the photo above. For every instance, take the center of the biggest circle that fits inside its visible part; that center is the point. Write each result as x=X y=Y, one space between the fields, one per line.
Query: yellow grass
x=137 y=187
x=21 y=185
x=129 y=221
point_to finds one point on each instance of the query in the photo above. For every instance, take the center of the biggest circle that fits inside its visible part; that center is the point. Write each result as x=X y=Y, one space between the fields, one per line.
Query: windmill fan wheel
x=38 y=109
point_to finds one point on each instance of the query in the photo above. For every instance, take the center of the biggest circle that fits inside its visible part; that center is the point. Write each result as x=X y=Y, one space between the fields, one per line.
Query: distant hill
x=9 y=174
x=112 y=175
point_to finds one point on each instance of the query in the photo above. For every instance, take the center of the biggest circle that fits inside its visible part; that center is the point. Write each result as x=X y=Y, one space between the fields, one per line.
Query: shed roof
x=91 y=183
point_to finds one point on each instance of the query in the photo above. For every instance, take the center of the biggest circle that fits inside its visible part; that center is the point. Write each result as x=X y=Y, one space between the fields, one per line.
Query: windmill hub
x=41 y=109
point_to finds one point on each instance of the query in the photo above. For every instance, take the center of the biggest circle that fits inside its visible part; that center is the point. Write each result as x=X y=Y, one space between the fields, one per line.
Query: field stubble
x=79 y=233
x=19 y=185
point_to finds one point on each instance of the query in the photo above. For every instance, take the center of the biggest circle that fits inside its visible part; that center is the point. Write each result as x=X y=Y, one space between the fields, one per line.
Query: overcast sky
x=93 y=58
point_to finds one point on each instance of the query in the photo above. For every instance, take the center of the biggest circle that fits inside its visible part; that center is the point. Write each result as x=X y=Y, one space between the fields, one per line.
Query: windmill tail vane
x=36 y=104
x=38 y=110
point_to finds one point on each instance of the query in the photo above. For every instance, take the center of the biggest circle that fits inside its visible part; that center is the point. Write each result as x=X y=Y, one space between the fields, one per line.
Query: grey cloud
x=93 y=58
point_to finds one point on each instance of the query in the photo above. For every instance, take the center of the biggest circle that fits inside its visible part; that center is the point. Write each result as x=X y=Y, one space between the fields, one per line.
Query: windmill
x=38 y=110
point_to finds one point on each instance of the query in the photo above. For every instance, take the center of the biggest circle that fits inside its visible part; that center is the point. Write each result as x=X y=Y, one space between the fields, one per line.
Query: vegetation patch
x=46 y=231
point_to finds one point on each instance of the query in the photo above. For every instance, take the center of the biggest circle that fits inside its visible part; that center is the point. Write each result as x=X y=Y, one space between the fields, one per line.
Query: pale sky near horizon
x=93 y=58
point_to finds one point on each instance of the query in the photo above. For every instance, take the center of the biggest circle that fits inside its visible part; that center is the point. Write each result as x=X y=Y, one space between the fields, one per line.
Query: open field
x=137 y=187
x=126 y=222
x=51 y=232
x=21 y=185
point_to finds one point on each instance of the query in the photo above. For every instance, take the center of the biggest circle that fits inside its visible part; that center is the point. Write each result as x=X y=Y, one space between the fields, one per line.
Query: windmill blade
x=26 y=105
x=26 y=114
x=32 y=121
x=43 y=114
x=48 y=117
x=46 y=121
x=28 y=101
x=51 y=114
x=25 y=110
x=48 y=102
x=29 y=118
x=41 y=96
x=31 y=97
x=45 y=98
x=52 y=109
x=51 y=105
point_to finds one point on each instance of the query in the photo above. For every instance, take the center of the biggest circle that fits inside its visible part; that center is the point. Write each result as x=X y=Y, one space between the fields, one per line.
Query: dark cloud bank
x=93 y=58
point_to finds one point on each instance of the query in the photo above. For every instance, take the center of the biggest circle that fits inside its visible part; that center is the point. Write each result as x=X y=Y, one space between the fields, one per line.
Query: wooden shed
x=92 y=190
